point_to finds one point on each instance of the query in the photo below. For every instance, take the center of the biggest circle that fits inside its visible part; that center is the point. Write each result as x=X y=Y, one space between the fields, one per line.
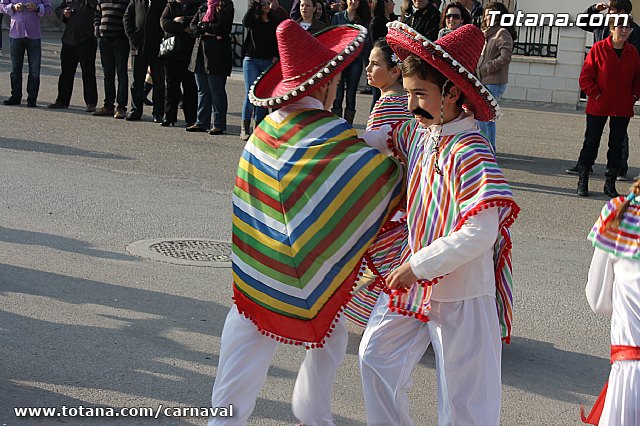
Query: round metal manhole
x=181 y=251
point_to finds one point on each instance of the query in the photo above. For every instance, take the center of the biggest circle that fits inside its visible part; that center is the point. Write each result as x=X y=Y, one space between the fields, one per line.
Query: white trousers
x=466 y=341
x=245 y=357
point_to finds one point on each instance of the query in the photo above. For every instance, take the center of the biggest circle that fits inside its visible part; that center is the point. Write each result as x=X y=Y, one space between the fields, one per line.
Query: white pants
x=466 y=341
x=245 y=357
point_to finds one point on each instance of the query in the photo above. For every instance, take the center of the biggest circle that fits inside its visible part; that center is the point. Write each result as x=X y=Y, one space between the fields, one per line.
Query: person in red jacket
x=611 y=79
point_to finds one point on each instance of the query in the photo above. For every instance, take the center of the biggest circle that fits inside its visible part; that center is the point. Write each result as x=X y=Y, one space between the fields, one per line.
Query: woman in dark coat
x=175 y=22
x=211 y=62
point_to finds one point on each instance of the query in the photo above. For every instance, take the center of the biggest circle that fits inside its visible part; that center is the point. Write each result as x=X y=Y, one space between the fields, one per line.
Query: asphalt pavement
x=83 y=322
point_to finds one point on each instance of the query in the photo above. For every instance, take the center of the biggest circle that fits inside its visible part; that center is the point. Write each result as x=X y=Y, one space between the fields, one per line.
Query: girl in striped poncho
x=613 y=289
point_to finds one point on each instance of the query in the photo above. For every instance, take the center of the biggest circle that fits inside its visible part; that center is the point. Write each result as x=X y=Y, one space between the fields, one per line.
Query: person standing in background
x=175 y=22
x=79 y=45
x=454 y=16
x=211 y=61
x=493 y=68
x=141 y=22
x=260 y=50
x=352 y=12
x=422 y=16
x=114 y=55
x=24 y=36
x=308 y=19
x=600 y=33
x=382 y=14
x=474 y=8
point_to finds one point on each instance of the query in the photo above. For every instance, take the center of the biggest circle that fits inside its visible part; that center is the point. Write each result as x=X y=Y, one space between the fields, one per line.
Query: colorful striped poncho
x=309 y=199
x=443 y=191
x=622 y=241
x=387 y=251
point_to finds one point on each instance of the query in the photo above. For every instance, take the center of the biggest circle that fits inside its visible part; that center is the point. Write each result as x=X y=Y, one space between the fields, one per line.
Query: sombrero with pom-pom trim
x=306 y=62
x=456 y=56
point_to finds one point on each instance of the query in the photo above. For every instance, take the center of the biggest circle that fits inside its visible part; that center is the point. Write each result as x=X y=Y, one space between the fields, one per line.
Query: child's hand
x=403 y=277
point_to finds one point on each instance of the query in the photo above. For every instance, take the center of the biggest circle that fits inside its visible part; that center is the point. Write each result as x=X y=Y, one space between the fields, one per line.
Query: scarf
x=211 y=10
x=623 y=241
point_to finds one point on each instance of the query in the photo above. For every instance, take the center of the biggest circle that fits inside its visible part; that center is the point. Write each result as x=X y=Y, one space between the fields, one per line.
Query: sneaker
x=90 y=108
x=120 y=113
x=103 y=112
x=133 y=116
x=58 y=105
x=622 y=178
x=11 y=101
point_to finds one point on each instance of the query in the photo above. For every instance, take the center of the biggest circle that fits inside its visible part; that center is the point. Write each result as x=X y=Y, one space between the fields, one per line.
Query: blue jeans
x=489 y=127
x=349 y=82
x=212 y=93
x=251 y=69
x=114 y=54
x=34 y=54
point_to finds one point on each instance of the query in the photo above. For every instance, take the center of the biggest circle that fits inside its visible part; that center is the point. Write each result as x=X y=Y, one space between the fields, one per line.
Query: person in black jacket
x=600 y=33
x=78 y=46
x=260 y=50
x=176 y=22
x=142 y=25
x=211 y=61
x=422 y=16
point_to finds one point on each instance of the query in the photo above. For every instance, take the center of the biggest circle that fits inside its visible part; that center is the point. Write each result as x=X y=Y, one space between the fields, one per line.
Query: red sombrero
x=465 y=43
x=306 y=61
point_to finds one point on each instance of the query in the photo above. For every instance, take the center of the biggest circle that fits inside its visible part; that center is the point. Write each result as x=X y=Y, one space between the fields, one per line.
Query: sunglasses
x=452 y=16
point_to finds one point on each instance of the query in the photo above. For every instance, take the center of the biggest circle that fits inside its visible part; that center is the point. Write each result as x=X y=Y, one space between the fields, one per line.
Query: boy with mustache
x=458 y=273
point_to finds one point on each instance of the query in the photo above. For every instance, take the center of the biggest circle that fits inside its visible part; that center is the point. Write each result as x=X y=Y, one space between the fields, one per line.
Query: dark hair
x=379 y=7
x=407 y=7
x=363 y=13
x=382 y=44
x=464 y=14
x=323 y=17
x=413 y=65
x=612 y=22
x=619 y=5
x=615 y=223
x=500 y=7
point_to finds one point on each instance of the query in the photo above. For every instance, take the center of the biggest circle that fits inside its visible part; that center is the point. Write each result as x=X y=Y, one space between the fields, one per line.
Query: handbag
x=169 y=47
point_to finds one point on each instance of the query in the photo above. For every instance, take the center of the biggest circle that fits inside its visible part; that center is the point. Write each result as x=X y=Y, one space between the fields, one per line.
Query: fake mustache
x=419 y=111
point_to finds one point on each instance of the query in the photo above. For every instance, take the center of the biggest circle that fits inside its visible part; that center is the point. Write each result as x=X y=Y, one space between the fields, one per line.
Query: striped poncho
x=309 y=199
x=386 y=252
x=443 y=191
x=622 y=241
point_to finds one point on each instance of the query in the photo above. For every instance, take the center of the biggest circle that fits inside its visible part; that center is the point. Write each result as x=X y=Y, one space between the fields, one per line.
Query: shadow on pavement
x=71 y=245
x=50 y=148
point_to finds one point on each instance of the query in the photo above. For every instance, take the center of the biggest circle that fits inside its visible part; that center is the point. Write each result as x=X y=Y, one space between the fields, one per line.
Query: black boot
x=583 y=181
x=147 y=89
x=610 y=176
x=349 y=115
x=337 y=111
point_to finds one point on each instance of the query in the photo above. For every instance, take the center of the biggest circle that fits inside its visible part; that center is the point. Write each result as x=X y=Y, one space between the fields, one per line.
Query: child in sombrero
x=455 y=290
x=310 y=198
x=613 y=289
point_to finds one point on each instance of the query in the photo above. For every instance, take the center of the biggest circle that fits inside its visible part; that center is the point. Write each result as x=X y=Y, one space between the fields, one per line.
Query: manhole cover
x=181 y=251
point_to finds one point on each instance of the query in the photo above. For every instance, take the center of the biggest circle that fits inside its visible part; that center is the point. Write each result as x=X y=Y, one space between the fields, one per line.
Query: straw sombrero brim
x=270 y=89
x=405 y=41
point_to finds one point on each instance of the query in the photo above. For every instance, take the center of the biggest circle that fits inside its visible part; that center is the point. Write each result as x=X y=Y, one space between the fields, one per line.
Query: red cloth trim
x=618 y=353
x=316 y=330
x=596 y=411
x=624 y=353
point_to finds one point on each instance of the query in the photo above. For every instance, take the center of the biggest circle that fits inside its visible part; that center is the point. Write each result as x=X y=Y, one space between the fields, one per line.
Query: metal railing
x=537 y=41
x=237 y=40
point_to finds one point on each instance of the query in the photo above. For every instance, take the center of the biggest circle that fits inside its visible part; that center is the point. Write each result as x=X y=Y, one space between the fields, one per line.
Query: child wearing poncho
x=455 y=289
x=613 y=288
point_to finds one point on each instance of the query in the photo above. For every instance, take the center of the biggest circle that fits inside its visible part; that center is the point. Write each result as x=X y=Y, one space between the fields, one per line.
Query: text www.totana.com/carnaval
x=521 y=19
x=157 y=412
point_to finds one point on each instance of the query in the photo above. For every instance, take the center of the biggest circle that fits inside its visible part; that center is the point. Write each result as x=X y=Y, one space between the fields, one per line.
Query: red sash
x=618 y=353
